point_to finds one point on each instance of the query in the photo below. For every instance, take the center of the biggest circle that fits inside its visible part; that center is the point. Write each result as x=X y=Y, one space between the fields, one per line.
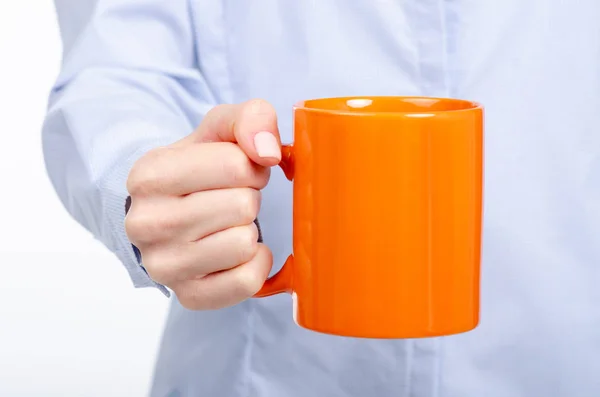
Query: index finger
x=252 y=125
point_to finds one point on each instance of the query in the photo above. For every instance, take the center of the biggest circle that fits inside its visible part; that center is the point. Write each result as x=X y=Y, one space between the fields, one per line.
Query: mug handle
x=281 y=281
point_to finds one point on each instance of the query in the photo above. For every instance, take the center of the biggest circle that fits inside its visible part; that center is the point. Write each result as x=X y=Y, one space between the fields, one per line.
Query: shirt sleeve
x=129 y=82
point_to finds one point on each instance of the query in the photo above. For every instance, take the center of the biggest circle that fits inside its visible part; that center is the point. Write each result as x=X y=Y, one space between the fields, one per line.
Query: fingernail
x=266 y=145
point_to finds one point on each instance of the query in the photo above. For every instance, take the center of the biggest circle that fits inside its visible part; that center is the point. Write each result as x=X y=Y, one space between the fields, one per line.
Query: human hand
x=193 y=206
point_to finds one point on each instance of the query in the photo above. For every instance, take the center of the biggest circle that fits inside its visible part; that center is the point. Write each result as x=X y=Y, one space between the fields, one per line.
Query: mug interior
x=387 y=104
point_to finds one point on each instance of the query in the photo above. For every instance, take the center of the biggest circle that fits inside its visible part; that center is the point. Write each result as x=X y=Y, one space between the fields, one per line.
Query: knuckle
x=260 y=106
x=237 y=167
x=134 y=227
x=247 y=282
x=149 y=227
x=145 y=175
x=191 y=296
x=157 y=268
x=134 y=179
x=247 y=242
x=247 y=205
x=163 y=226
x=185 y=302
x=188 y=298
x=263 y=178
x=217 y=111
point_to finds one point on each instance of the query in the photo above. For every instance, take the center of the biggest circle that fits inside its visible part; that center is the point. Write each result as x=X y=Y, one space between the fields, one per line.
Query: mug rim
x=469 y=105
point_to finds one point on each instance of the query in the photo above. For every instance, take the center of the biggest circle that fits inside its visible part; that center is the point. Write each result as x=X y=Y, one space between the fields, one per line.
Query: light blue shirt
x=141 y=73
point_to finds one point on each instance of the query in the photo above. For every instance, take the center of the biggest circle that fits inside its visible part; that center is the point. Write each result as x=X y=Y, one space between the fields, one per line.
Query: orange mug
x=387 y=213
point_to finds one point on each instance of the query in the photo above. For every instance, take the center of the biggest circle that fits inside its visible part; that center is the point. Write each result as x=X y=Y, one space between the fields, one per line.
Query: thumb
x=252 y=125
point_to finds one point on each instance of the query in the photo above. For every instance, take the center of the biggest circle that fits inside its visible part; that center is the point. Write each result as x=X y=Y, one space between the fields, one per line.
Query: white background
x=71 y=324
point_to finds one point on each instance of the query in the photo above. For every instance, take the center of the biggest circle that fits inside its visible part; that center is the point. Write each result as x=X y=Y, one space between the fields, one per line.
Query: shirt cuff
x=114 y=195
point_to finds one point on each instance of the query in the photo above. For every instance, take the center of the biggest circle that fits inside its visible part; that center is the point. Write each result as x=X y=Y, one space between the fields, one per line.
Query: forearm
x=113 y=101
x=90 y=145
